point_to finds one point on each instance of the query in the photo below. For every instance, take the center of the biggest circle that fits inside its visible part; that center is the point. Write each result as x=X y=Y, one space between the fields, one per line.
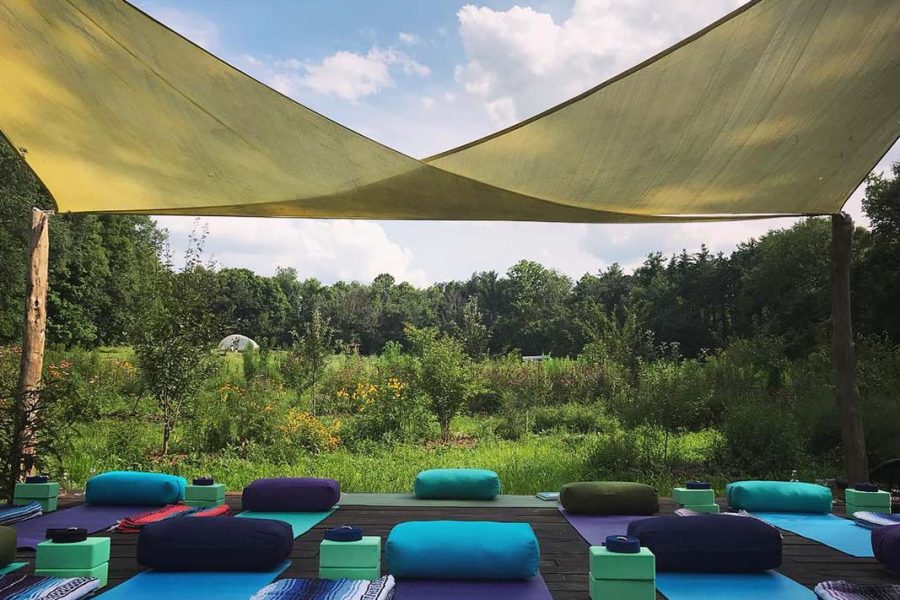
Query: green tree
x=308 y=357
x=473 y=333
x=444 y=374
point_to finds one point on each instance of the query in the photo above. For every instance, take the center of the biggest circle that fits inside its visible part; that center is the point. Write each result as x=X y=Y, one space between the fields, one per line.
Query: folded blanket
x=871 y=520
x=842 y=590
x=134 y=524
x=10 y=514
x=29 y=587
x=327 y=589
x=686 y=512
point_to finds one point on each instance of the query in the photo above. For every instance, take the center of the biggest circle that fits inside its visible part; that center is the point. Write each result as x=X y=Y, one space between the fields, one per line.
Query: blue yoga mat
x=154 y=585
x=12 y=567
x=727 y=586
x=840 y=534
x=301 y=522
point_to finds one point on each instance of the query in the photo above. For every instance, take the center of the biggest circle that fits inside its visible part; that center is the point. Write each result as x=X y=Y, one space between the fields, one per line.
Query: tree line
x=103 y=284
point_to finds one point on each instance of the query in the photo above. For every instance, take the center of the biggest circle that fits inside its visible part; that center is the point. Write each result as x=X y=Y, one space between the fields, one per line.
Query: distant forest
x=102 y=284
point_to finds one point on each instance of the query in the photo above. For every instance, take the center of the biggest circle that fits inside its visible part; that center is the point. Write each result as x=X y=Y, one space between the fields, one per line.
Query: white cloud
x=330 y=250
x=428 y=102
x=409 y=39
x=502 y=111
x=532 y=60
x=347 y=75
x=194 y=27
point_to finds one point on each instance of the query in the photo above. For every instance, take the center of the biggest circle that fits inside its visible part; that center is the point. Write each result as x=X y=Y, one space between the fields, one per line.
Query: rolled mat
x=93 y=517
x=595 y=528
x=840 y=534
x=12 y=567
x=152 y=585
x=300 y=522
x=443 y=589
x=715 y=586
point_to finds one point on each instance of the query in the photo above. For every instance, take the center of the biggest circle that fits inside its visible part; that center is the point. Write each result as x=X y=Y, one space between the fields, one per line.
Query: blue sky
x=425 y=76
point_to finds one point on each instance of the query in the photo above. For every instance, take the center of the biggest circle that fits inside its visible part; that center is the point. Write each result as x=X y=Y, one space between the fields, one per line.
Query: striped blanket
x=34 y=587
x=686 y=512
x=134 y=524
x=10 y=514
x=327 y=589
x=841 y=590
x=871 y=520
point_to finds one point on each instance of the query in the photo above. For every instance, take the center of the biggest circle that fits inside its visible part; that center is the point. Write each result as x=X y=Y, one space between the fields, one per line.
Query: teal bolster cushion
x=457 y=484
x=462 y=550
x=7 y=545
x=134 y=487
x=609 y=498
x=779 y=496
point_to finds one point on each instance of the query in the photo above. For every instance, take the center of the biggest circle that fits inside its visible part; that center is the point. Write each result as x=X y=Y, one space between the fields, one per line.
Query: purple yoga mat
x=595 y=528
x=93 y=517
x=448 y=589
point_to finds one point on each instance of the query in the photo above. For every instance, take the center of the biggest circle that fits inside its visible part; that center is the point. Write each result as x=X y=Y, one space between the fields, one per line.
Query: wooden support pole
x=843 y=355
x=32 y=361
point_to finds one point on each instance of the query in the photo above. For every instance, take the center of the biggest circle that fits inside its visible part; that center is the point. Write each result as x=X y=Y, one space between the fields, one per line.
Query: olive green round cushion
x=609 y=498
x=7 y=545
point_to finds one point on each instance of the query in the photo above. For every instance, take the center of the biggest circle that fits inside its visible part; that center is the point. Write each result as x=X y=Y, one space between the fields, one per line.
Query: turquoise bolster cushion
x=779 y=496
x=462 y=550
x=134 y=487
x=457 y=484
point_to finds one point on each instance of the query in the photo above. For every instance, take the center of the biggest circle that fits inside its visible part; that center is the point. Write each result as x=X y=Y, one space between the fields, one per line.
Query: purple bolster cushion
x=886 y=546
x=710 y=543
x=291 y=494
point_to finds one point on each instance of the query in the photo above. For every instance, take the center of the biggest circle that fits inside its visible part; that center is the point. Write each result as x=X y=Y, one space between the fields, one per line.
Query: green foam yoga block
x=703 y=508
x=369 y=574
x=47 y=504
x=622 y=589
x=205 y=492
x=204 y=503
x=879 y=501
x=361 y=554
x=7 y=545
x=86 y=554
x=36 y=490
x=685 y=496
x=611 y=566
x=100 y=573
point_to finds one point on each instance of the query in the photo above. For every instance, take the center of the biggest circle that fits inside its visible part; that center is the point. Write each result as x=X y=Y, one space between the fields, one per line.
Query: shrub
x=300 y=429
x=574 y=418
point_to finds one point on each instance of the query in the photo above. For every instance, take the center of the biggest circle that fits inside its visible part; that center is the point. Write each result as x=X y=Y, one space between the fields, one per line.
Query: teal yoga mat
x=727 y=586
x=153 y=585
x=840 y=534
x=300 y=522
x=12 y=567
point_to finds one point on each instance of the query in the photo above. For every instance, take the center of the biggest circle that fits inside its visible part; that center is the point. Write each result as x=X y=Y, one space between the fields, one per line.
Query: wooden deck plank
x=563 y=563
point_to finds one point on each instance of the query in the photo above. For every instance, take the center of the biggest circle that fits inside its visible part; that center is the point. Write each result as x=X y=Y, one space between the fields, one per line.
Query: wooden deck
x=563 y=552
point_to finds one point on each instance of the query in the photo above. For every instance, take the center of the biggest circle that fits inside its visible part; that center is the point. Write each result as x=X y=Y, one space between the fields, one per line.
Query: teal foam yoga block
x=205 y=492
x=703 y=508
x=86 y=554
x=685 y=496
x=622 y=589
x=364 y=553
x=616 y=565
x=370 y=574
x=36 y=490
x=100 y=573
x=879 y=501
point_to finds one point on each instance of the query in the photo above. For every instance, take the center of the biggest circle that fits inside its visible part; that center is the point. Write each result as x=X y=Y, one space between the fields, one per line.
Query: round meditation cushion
x=457 y=484
x=291 y=494
x=779 y=496
x=134 y=487
x=462 y=550
x=609 y=498
x=7 y=545
x=710 y=543
x=886 y=546
x=214 y=544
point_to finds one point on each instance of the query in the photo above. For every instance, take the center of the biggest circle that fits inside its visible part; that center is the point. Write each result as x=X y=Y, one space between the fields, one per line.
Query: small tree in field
x=309 y=355
x=444 y=374
x=173 y=345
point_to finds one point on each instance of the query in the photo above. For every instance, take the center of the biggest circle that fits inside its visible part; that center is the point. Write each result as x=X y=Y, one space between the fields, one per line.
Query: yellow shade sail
x=781 y=108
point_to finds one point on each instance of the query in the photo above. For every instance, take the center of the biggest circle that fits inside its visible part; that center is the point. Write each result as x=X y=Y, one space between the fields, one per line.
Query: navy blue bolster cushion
x=291 y=494
x=462 y=550
x=886 y=546
x=710 y=543
x=214 y=544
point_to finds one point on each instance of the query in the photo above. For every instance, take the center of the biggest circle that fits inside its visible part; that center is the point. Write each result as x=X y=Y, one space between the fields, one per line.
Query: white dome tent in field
x=237 y=343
